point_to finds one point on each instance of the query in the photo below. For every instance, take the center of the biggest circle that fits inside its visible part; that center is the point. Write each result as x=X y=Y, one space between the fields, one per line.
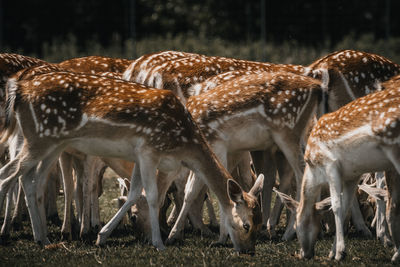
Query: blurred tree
x=28 y=24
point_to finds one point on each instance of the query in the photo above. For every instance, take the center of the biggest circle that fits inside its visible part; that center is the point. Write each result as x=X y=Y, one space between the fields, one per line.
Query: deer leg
x=86 y=180
x=31 y=179
x=149 y=181
x=133 y=195
x=393 y=210
x=7 y=179
x=196 y=213
x=78 y=174
x=68 y=184
x=193 y=188
x=211 y=212
x=179 y=195
x=20 y=209
x=94 y=193
x=51 y=199
x=340 y=206
x=290 y=147
x=5 y=229
x=382 y=230
x=286 y=176
x=42 y=176
x=358 y=219
x=393 y=203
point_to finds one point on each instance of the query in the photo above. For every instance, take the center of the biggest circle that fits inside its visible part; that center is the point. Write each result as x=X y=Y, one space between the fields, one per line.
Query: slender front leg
x=358 y=219
x=286 y=178
x=382 y=229
x=68 y=183
x=20 y=209
x=194 y=186
x=340 y=206
x=393 y=210
x=149 y=181
x=5 y=229
x=133 y=195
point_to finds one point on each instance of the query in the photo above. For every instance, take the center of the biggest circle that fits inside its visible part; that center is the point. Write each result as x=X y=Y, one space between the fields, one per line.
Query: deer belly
x=249 y=137
x=363 y=158
x=125 y=149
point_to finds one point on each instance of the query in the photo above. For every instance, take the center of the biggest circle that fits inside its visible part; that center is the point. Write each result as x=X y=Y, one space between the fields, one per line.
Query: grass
x=123 y=248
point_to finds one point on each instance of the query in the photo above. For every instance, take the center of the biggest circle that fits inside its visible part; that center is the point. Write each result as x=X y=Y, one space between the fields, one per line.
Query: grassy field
x=123 y=248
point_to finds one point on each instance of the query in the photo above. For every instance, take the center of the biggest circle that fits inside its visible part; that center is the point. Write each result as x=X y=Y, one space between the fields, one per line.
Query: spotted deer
x=187 y=72
x=347 y=75
x=267 y=111
x=113 y=118
x=188 y=69
x=361 y=137
x=86 y=207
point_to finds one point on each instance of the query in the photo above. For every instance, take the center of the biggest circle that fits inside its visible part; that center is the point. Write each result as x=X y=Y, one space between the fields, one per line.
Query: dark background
x=26 y=25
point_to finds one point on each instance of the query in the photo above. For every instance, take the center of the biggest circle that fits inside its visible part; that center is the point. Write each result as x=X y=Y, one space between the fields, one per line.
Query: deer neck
x=204 y=163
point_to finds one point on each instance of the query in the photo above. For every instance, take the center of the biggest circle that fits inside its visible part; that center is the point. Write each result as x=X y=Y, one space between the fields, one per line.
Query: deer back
x=280 y=98
x=137 y=71
x=349 y=74
x=181 y=74
x=61 y=103
x=95 y=64
x=378 y=114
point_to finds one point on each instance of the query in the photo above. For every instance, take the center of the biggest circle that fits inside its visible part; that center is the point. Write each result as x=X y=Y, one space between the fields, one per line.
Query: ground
x=124 y=249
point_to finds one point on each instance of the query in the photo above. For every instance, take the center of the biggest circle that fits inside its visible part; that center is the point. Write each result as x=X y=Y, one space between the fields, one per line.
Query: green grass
x=123 y=248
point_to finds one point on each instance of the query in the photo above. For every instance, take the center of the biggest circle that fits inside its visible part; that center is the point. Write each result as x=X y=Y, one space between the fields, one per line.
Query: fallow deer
x=114 y=118
x=17 y=62
x=188 y=69
x=267 y=110
x=186 y=72
x=347 y=75
x=361 y=137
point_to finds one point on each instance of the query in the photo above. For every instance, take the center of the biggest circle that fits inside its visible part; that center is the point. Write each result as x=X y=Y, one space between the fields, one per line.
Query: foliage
x=287 y=52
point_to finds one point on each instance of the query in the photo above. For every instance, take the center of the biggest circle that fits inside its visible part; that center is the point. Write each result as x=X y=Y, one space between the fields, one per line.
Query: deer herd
x=192 y=124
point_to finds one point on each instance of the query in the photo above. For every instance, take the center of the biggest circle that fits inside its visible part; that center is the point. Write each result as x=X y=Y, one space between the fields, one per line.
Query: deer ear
x=323 y=205
x=289 y=202
x=376 y=193
x=258 y=186
x=235 y=192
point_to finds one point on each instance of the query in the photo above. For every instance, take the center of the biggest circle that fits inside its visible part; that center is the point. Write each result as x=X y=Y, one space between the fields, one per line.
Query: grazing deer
x=347 y=75
x=361 y=137
x=267 y=110
x=113 y=118
x=186 y=74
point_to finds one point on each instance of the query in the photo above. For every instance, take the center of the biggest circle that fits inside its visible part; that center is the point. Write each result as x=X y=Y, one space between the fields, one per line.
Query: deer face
x=245 y=217
x=307 y=229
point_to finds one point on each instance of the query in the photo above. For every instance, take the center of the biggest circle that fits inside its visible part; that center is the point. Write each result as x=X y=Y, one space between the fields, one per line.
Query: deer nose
x=246 y=227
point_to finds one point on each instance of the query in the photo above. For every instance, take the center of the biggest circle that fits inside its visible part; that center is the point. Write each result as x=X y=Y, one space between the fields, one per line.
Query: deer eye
x=246 y=227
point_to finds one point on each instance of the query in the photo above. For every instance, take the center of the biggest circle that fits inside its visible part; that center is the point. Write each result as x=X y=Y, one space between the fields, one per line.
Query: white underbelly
x=367 y=157
x=248 y=136
x=122 y=148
